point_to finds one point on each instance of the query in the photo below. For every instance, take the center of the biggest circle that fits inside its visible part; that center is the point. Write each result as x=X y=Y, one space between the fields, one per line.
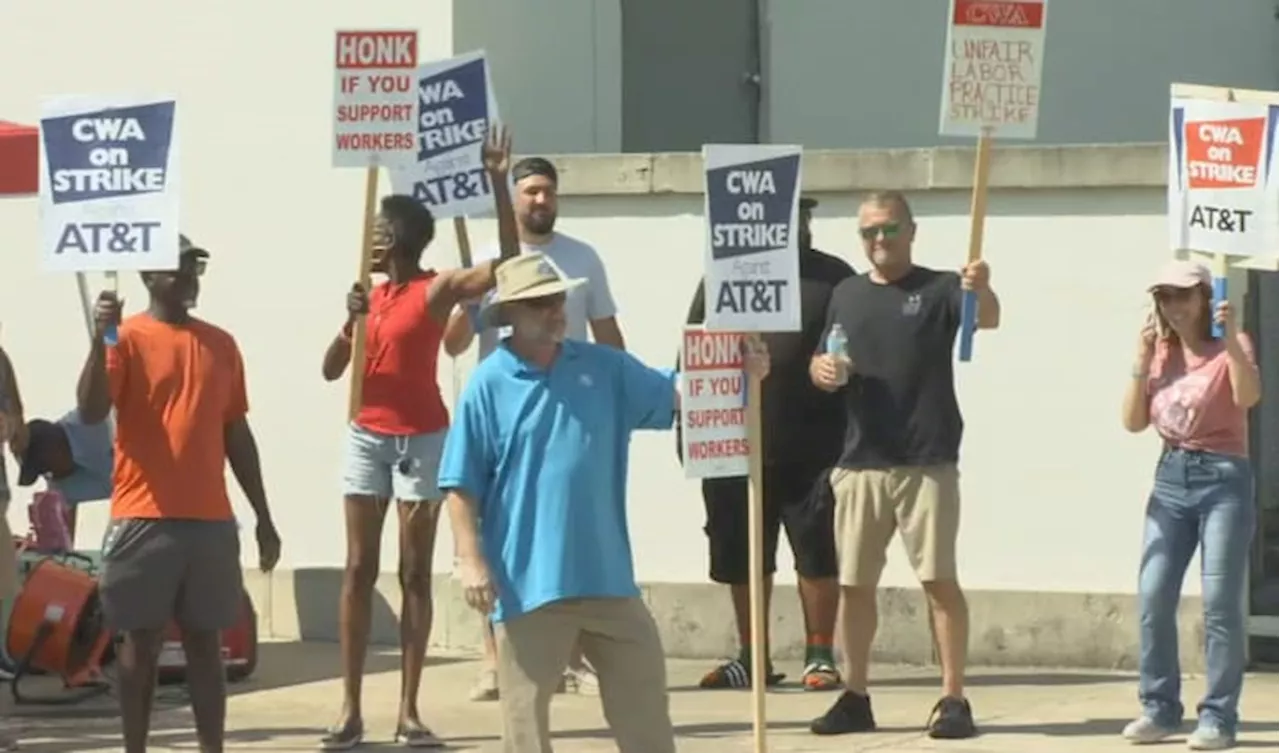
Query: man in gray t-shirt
x=589 y=308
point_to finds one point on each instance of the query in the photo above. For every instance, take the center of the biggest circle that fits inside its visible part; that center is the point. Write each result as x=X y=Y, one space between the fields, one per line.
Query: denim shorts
x=403 y=468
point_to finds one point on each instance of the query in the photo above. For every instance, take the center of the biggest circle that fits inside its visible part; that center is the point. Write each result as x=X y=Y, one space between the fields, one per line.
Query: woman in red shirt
x=394 y=443
x=1195 y=390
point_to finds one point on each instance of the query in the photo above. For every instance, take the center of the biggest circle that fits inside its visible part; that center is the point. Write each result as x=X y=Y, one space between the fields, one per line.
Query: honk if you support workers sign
x=109 y=184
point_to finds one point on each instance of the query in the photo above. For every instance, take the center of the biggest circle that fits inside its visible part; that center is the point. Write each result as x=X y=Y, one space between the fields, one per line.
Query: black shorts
x=154 y=571
x=797 y=497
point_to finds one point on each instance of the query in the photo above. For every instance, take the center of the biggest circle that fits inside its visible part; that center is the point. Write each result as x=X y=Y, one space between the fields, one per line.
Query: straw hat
x=522 y=278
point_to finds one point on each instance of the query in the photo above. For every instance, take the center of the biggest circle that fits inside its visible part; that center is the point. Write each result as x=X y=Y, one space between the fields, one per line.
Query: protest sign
x=1222 y=176
x=752 y=257
x=109 y=184
x=374 y=98
x=456 y=104
x=713 y=398
x=991 y=77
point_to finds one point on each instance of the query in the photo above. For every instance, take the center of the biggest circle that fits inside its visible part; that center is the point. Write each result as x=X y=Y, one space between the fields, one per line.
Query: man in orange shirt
x=172 y=549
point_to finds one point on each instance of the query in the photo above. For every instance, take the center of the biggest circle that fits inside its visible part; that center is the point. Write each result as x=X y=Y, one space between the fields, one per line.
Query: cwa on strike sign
x=1222 y=177
x=752 y=255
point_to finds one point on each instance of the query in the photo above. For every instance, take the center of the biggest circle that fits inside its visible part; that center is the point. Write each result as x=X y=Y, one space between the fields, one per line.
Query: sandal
x=417 y=737
x=820 y=675
x=344 y=737
x=735 y=674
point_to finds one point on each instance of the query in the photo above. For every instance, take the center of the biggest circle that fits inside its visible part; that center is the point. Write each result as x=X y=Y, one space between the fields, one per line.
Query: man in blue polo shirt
x=535 y=472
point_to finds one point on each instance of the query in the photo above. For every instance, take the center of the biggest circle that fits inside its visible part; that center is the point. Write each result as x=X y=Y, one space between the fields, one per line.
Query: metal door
x=690 y=74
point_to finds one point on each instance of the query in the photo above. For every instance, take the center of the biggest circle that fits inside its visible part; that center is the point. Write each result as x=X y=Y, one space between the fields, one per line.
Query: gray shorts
x=390 y=467
x=154 y=571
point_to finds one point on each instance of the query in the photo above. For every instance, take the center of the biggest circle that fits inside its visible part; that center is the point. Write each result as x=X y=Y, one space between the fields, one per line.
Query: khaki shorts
x=922 y=503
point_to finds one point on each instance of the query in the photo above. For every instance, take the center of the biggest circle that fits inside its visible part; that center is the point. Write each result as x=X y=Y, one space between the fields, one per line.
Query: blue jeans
x=1200 y=499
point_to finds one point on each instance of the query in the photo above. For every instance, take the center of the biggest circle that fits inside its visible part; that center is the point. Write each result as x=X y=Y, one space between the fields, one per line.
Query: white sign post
x=990 y=89
x=109 y=184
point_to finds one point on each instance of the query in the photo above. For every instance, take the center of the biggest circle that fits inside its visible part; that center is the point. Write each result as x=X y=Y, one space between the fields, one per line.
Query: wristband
x=344 y=334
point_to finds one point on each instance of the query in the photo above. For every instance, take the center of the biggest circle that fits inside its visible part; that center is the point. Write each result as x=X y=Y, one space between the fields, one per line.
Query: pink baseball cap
x=1180 y=274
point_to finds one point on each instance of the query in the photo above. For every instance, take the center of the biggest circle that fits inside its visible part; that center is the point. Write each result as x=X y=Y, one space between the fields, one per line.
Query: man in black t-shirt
x=898 y=470
x=802 y=429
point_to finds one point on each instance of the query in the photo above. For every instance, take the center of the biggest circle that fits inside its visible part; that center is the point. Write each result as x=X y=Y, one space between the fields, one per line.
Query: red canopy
x=19 y=159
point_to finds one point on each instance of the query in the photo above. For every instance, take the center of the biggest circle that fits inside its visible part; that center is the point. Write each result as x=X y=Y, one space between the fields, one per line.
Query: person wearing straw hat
x=590 y=313
x=1195 y=390
x=535 y=473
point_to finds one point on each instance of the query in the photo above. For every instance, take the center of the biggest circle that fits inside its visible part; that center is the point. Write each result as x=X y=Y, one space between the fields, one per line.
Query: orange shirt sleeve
x=238 y=399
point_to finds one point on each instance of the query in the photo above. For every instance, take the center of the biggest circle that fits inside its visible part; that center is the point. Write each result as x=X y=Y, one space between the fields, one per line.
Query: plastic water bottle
x=838 y=346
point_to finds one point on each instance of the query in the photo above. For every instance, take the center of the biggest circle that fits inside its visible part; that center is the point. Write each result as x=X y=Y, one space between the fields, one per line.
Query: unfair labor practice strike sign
x=109 y=184
x=456 y=104
x=374 y=98
x=1222 y=177
x=752 y=259
x=713 y=398
x=991 y=78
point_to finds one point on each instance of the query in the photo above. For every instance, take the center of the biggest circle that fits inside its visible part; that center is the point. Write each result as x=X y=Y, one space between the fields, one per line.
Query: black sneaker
x=850 y=713
x=951 y=719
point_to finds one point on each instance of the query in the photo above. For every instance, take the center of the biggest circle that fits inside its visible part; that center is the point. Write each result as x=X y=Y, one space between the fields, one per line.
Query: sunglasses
x=1173 y=294
x=890 y=230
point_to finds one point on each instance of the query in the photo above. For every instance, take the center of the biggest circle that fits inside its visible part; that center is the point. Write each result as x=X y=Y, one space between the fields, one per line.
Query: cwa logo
x=1223 y=153
x=1025 y=15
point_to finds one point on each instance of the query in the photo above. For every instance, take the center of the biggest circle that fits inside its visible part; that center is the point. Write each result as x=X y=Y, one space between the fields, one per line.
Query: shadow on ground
x=1102 y=727
x=927 y=678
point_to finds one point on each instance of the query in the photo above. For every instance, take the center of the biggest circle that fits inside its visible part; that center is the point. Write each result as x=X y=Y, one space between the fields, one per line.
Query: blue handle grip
x=1219 y=295
x=111 y=336
x=968 y=323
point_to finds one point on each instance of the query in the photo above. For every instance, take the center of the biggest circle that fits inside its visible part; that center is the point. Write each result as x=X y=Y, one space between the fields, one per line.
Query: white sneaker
x=486 y=687
x=1145 y=730
x=1210 y=738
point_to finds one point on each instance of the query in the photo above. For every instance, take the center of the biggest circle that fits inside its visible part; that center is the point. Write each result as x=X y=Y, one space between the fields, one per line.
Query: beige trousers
x=619 y=638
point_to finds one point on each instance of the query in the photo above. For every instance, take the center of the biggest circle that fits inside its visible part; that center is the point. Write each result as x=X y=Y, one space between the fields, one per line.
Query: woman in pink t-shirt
x=1195 y=390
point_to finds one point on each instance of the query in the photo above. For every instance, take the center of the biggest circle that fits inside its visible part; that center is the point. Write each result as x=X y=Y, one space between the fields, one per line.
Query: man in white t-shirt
x=590 y=312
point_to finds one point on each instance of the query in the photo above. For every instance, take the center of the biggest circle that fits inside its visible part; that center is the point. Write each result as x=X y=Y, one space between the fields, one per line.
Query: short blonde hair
x=894 y=199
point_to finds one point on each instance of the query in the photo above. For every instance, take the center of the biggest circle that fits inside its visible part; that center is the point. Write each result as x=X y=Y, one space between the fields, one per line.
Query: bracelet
x=344 y=334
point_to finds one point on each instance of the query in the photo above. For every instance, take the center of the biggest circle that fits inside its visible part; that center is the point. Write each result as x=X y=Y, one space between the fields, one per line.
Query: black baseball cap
x=42 y=437
x=808 y=202
x=185 y=246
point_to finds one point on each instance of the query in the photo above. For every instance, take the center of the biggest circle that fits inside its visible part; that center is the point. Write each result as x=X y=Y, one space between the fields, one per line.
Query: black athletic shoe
x=850 y=713
x=951 y=719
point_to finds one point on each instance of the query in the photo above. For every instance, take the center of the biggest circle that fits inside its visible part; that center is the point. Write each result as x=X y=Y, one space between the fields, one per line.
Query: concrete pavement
x=296 y=692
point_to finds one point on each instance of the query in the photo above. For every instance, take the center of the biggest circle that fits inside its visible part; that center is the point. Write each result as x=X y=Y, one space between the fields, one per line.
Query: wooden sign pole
x=755 y=558
x=977 y=224
x=356 y=396
x=464 y=241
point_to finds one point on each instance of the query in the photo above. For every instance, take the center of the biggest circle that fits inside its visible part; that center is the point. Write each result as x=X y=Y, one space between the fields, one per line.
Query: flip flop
x=418 y=737
x=343 y=737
